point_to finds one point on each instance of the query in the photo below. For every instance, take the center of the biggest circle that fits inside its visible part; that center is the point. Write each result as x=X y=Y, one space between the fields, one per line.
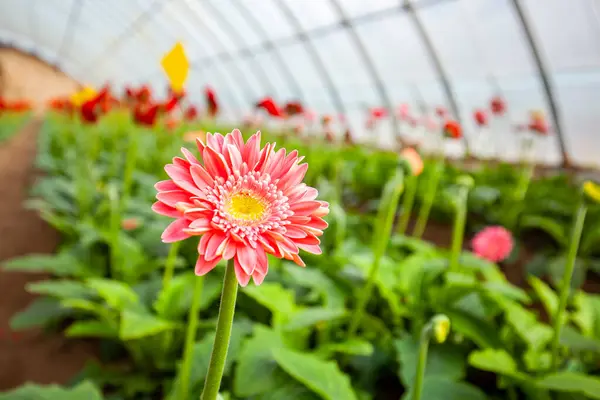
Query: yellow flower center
x=592 y=190
x=245 y=207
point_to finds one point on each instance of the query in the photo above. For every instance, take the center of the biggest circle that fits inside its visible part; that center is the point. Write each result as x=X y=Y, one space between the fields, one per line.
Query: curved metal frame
x=135 y=25
x=436 y=62
x=72 y=20
x=372 y=70
x=544 y=77
x=232 y=32
x=236 y=94
x=316 y=58
x=249 y=92
x=269 y=45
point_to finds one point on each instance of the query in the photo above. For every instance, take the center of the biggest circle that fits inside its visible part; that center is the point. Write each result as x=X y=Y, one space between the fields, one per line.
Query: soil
x=29 y=355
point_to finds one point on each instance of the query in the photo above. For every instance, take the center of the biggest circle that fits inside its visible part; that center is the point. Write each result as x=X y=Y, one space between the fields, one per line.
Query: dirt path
x=32 y=356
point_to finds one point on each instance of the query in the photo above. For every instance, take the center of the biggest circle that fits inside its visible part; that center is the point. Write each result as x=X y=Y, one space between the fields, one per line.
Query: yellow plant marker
x=85 y=94
x=592 y=191
x=176 y=65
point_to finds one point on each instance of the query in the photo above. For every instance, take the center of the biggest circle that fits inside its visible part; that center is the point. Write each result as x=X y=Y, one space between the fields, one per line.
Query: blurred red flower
x=268 y=104
x=481 y=117
x=452 y=129
x=212 y=105
x=293 y=108
x=498 y=106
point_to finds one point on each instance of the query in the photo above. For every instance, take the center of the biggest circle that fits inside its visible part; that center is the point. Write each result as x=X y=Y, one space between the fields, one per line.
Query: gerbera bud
x=452 y=130
x=441 y=327
x=411 y=161
x=591 y=191
x=130 y=224
x=493 y=243
x=481 y=117
x=465 y=181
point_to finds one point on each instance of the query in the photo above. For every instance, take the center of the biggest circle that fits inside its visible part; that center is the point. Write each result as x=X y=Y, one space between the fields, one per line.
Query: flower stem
x=381 y=236
x=170 y=264
x=190 y=338
x=222 y=335
x=458 y=231
x=421 y=362
x=566 y=281
x=432 y=184
x=408 y=200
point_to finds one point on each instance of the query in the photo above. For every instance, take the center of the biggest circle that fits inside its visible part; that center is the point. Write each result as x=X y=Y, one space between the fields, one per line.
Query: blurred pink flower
x=245 y=202
x=494 y=243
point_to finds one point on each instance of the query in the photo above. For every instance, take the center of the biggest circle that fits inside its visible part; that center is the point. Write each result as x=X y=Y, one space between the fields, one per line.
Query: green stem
x=458 y=231
x=222 y=335
x=421 y=362
x=382 y=232
x=408 y=201
x=566 y=282
x=432 y=184
x=190 y=339
x=170 y=264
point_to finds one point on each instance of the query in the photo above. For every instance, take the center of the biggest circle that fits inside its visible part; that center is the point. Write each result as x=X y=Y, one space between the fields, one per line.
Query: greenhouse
x=299 y=199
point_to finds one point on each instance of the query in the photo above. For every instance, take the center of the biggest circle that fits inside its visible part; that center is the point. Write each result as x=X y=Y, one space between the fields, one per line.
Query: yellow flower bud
x=592 y=191
x=441 y=328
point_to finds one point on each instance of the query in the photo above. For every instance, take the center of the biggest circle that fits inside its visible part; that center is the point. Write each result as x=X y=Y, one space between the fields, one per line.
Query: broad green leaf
x=481 y=332
x=171 y=303
x=41 y=311
x=527 y=326
x=257 y=371
x=554 y=229
x=322 y=377
x=572 y=382
x=290 y=390
x=95 y=329
x=545 y=293
x=443 y=360
x=29 y=391
x=59 y=265
x=507 y=289
x=315 y=279
x=577 y=342
x=136 y=325
x=61 y=289
x=277 y=299
x=438 y=388
x=117 y=295
x=495 y=360
x=583 y=316
x=356 y=347
x=308 y=317
x=536 y=360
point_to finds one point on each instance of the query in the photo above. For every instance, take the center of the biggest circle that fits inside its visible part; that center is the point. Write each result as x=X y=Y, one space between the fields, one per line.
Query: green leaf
x=482 y=332
x=526 y=324
x=117 y=295
x=322 y=377
x=577 y=342
x=171 y=302
x=136 y=325
x=96 y=329
x=545 y=293
x=443 y=360
x=549 y=225
x=256 y=371
x=277 y=299
x=58 y=265
x=507 y=289
x=61 y=289
x=29 y=391
x=290 y=390
x=583 y=315
x=40 y=312
x=438 y=388
x=308 y=317
x=355 y=347
x=495 y=360
x=572 y=382
x=315 y=279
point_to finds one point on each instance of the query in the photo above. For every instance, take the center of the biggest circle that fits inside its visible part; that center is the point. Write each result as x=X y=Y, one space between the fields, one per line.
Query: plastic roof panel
x=342 y=56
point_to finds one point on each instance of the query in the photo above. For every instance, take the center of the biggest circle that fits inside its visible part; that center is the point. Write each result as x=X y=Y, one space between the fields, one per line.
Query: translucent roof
x=343 y=56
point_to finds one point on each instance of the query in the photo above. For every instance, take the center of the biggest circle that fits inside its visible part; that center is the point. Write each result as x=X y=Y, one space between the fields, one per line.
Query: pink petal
x=204 y=266
x=183 y=179
x=311 y=248
x=246 y=257
x=171 y=198
x=213 y=245
x=242 y=277
x=166 y=186
x=200 y=176
x=251 y=151
x=167 y=211
x=189 y=156
x=174 y=232
x=215 y=163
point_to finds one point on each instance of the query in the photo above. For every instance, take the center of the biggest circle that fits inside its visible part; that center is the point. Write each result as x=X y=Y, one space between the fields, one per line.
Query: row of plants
x=356 y=322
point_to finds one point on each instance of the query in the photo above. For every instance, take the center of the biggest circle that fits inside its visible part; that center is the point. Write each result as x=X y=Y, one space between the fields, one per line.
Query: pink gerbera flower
x=244 y=202
x=493 y=243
